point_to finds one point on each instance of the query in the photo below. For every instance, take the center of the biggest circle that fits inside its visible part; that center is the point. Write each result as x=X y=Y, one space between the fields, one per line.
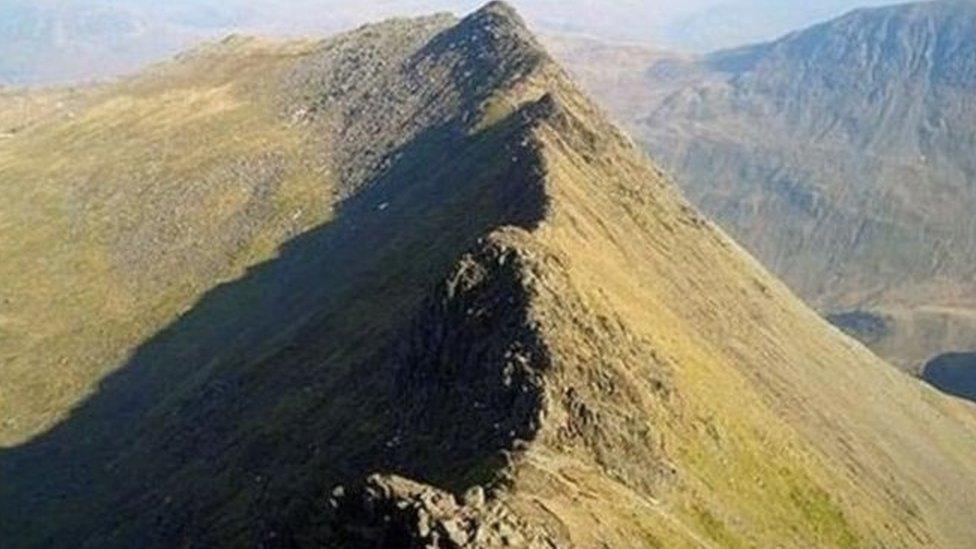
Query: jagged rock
x=471 y=343
x=475 y=497
x=390 y=511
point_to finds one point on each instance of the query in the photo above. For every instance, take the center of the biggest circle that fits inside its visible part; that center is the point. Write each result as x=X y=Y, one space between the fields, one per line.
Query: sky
x=695 y=25
x=56 y=41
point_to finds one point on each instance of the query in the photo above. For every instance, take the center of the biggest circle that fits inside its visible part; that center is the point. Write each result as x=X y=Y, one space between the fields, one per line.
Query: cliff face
x=508 y=327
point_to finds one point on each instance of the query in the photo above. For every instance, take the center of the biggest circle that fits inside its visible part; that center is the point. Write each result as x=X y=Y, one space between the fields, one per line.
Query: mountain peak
x=500 y=11
x=498 y=22
x=921 y=36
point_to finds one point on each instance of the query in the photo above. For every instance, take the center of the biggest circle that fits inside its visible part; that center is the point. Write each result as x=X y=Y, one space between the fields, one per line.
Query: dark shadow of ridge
x=226 y=426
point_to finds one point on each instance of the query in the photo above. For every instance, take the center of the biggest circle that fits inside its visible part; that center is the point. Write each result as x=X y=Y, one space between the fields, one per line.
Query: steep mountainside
x=842 y=156
x=458 y=307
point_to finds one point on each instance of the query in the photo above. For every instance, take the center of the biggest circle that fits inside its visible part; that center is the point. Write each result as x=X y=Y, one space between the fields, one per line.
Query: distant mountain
x=406 y=286
x=842 y=155
x=727 y=23
x=58 y=41
x=50 y=41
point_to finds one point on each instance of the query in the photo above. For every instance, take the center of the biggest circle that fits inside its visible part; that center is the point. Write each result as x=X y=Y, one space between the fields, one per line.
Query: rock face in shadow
x=469 y=371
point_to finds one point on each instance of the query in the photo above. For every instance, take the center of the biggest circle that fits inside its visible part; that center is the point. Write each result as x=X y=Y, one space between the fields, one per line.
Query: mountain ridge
x=506 y=325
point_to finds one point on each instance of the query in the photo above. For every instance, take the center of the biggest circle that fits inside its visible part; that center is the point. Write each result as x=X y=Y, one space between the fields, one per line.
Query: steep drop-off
x=506 y=326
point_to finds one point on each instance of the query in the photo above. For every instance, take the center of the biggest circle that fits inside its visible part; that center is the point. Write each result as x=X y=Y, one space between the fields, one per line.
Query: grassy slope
x=116 y=218
x=779 y=429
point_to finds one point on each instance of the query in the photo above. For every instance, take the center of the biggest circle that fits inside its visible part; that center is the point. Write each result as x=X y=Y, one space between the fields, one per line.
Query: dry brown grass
x=120 y=209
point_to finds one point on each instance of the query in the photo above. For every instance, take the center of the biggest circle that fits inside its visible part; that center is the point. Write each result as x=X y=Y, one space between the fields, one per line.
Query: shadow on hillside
x=276 y=386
